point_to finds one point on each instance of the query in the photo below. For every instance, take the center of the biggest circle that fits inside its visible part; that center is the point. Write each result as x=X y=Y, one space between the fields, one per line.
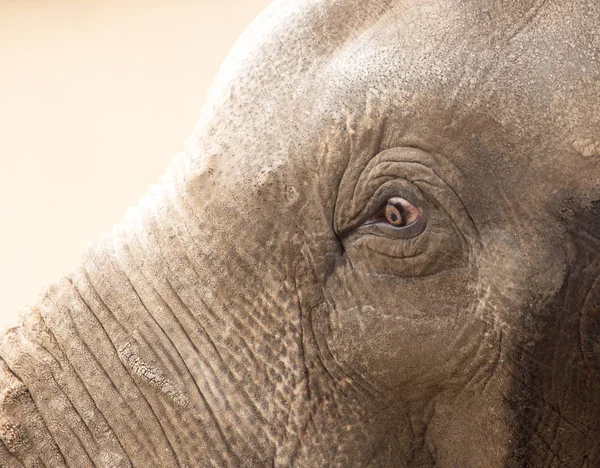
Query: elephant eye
x=397 y=212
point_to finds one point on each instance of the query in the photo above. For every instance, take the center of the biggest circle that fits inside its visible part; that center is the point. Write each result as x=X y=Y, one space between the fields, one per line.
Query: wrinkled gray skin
x=246 y=314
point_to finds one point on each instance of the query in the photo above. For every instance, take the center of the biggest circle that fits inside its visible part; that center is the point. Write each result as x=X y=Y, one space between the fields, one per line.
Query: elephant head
x=379 y=247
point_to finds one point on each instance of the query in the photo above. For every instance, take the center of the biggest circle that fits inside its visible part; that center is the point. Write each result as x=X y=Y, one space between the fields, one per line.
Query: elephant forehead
x=508 y=91
x=522 y=103
x=448 y=65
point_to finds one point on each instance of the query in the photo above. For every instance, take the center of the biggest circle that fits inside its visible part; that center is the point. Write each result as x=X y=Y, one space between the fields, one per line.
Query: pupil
x=394 y=217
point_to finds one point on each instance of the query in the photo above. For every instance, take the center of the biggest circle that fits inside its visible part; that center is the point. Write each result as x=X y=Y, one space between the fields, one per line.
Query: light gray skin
x=250 y=312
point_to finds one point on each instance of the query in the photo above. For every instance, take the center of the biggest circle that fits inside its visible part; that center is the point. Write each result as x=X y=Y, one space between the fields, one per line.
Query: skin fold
x=255 y=309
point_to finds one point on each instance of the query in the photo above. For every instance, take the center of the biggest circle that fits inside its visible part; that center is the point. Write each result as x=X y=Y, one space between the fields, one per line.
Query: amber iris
x=399 y=212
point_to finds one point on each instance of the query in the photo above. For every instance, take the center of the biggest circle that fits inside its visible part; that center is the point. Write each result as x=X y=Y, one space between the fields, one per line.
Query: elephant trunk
x=136 y=359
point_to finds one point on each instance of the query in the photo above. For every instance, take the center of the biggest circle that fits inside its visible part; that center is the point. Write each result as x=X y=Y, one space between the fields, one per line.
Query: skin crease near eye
x=402 y=219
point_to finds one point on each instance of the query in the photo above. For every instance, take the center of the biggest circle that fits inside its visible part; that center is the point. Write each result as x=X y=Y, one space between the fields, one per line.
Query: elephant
x=379 y=247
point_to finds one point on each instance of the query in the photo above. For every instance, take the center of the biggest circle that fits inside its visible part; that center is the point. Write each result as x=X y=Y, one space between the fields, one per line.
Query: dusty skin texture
x=250 y=312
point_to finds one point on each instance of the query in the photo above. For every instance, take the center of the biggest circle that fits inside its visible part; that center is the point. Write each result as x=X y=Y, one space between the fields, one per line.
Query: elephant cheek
x=557 y=374
x=399 y=338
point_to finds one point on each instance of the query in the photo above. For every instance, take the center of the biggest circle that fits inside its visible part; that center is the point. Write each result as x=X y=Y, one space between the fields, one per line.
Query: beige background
x=95 y=99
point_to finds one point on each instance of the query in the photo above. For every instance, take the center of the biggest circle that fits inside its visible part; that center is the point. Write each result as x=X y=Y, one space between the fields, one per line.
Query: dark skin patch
x=555 y=391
